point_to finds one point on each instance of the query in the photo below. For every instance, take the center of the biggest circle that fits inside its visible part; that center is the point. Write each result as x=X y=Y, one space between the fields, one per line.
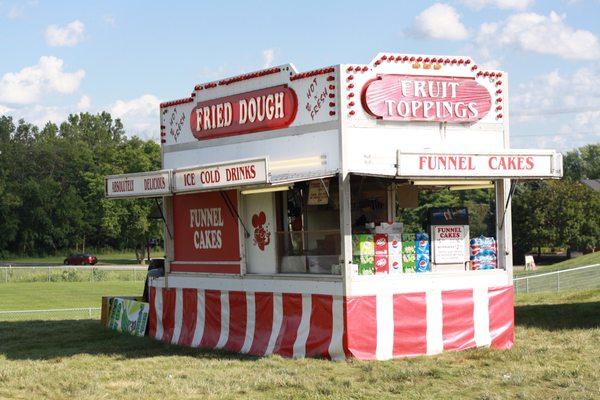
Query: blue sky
x=61 y=57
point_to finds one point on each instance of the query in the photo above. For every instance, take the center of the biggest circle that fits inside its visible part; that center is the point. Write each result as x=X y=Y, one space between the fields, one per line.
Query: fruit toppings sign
x=259 y=110
x=426 y=98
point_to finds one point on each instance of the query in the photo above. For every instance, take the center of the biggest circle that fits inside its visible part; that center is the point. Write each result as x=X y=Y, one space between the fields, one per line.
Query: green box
x=366 y=265
x=409 y=262
x=409 y=247
x=363 y=245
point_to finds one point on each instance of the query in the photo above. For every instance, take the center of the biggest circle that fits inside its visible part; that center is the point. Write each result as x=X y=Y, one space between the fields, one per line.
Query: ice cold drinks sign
x=240 y=173
x=426 y=98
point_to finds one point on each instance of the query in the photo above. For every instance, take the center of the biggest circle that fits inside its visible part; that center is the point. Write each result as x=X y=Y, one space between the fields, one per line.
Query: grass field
x=104 y=258
x=555 y=357
x=588 y=259
x=42 y=295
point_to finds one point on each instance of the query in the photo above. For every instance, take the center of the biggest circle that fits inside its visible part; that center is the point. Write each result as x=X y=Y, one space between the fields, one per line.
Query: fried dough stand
x=280 y=193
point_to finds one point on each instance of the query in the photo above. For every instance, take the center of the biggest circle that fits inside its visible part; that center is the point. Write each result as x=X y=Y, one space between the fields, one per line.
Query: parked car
x=81 y=259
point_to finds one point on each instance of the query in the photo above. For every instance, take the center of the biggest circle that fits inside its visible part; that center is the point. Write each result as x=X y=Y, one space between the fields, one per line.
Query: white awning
x=513 y=164
x=142 y=184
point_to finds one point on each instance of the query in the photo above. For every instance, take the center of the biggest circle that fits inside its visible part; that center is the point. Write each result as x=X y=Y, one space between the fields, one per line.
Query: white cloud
x=40 y=115
x=440 y=21
x=4 y=110
x=47 y=76
x=540 y=34
x=268 y=56
x=66 y=35
x=140 y=116
x=84 y=103
x=563 y=109
x=502 y=4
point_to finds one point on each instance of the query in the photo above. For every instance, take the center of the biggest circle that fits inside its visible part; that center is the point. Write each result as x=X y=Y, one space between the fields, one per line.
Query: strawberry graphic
x=262 y=236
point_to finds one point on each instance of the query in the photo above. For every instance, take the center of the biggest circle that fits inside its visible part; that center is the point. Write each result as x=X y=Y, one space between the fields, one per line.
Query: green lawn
x=555 y=357
x=115 y=257
x=44 y=295
x=588 y=259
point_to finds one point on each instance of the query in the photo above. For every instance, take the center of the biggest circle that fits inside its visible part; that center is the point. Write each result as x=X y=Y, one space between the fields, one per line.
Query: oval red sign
x=426 y=98
x=259 y=110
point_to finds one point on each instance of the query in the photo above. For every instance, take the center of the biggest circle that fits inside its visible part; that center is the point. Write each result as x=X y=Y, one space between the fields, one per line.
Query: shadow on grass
x=43 y=340
x=555 y=317
x=40 y=340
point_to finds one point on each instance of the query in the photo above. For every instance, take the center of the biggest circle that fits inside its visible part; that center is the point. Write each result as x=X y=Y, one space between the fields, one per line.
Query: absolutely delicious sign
x=145 y=184
x=426 y=98
x=259 y=110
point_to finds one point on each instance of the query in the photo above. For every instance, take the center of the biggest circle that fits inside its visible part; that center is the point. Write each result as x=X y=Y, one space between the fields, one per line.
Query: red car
x=81 y=259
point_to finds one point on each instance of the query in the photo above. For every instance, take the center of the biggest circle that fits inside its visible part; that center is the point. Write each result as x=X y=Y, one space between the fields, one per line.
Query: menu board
x=450 y=244
x=318 y=192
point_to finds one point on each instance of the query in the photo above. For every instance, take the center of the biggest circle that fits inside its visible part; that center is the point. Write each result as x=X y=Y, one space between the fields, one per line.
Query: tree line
x=52 y=194
x=52 y=186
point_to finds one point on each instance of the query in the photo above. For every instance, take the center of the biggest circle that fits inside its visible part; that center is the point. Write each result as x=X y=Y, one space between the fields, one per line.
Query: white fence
x=56 y=313
x=71 y=273
x=579 y=278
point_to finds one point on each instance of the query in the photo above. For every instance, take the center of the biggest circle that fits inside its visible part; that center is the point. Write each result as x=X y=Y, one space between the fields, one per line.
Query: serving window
x=295 y=228
x=402 y=226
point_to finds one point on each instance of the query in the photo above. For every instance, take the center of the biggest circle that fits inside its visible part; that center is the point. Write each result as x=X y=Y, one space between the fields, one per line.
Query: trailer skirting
x=382 y=326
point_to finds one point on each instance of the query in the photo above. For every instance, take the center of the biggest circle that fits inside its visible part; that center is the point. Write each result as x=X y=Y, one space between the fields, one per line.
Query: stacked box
x=408 y=255
x=415 y=252
x=381 y=253
x=363 y=253
x=422 y=246
x=483 y=253
x=395 y=253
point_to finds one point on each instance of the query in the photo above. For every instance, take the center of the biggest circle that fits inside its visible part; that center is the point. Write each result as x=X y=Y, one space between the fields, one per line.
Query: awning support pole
x=163 y=218
x=234 y=212
x=324 y=187
x=513 y=185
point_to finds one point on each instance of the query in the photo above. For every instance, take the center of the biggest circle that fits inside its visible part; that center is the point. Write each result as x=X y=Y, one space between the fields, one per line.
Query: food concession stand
x=280 y=193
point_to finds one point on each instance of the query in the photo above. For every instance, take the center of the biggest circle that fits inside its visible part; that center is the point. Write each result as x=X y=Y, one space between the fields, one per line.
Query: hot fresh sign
x=426 y=98
x=139 y=185
x=221 y=175
x=509 y=164
x=259 y=110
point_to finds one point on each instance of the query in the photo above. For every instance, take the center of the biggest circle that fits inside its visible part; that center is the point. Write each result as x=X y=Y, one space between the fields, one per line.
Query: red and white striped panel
x=304 y=325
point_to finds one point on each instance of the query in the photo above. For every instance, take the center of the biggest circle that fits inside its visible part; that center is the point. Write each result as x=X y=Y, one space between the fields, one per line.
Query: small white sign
x=450 y=244
x=235 y=173
x=318 y=192
x=507 y=164
x=144 y=184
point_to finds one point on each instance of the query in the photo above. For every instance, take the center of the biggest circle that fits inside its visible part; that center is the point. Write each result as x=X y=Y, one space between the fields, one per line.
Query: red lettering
x=189 y=179
x=422 y=160
x=529 y=162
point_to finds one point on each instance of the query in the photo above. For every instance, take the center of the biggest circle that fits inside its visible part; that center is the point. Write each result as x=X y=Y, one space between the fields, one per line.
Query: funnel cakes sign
x=426 y=98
